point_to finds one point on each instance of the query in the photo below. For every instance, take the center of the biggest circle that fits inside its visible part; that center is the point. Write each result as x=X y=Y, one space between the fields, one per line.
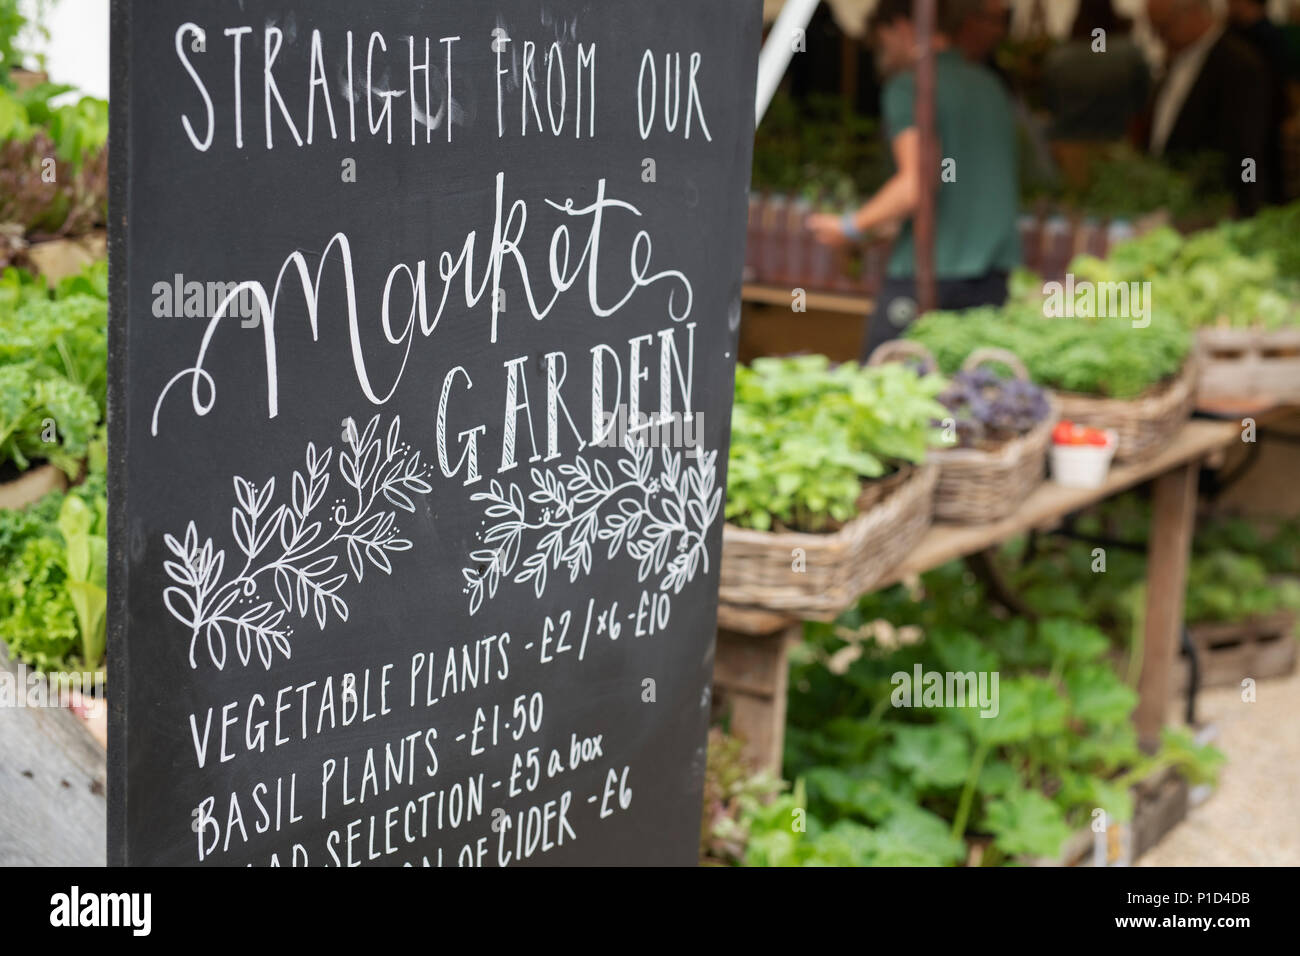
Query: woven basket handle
x=994 y=354
x=898 y=349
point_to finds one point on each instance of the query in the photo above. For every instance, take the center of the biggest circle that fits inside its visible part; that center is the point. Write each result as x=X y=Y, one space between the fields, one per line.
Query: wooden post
x=1173 y=512
x=924 y=223
x=849 y=69
x=750 y=675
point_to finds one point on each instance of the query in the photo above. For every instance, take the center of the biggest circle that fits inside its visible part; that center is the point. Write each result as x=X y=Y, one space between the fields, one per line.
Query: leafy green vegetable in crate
x=805 y=435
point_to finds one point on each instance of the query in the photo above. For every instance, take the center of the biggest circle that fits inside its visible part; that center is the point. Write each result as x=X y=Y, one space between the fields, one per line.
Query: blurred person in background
x=1096 y=84
x=1248 y=20
x=976 y=239
x=1216 y=97
x=982 y=25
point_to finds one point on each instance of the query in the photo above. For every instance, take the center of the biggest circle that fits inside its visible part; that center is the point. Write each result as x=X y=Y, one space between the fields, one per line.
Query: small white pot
x=1083 y=466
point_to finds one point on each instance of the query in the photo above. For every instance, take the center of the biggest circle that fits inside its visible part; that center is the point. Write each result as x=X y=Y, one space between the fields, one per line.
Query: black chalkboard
x=393 y=581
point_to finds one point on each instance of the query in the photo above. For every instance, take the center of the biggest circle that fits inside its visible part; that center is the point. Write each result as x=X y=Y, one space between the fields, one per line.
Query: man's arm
x=896 y=200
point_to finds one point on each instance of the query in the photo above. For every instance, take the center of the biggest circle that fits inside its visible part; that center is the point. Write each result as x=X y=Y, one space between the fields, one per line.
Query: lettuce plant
x=53 y=371
x=804 y=436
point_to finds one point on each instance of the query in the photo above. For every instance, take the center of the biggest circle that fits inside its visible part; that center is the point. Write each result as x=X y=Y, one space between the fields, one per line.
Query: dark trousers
x=896 y=303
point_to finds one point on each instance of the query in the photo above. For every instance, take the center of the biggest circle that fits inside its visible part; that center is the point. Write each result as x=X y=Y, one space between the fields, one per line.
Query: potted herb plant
x=827 y=488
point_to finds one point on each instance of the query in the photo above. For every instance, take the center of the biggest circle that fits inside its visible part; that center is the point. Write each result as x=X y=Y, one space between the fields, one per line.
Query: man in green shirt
x=977 y=242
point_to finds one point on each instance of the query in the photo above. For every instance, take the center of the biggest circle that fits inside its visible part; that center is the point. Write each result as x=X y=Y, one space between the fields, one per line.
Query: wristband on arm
x=847 y=224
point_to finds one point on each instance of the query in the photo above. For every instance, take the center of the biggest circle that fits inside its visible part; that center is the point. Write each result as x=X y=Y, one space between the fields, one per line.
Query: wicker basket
x=983 y=485
x=1144 y=424
x=978 y=485
x=759 y=568
x=1248 y=365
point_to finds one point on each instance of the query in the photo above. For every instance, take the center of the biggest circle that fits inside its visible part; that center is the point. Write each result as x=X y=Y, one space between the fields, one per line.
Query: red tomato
x=1068 y=433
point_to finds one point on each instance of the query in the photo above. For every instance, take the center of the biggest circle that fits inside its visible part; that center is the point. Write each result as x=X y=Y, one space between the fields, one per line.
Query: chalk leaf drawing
x=659 y=517
x=297 y=547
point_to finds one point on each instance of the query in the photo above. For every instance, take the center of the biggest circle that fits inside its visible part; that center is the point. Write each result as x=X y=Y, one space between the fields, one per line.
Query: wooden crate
x=1248 y=365
x=1160 y=803
x=1227 y=653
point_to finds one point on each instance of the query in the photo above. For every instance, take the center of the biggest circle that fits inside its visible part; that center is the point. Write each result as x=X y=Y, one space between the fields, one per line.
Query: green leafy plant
x=819 y=149
x=1236 y=571
x=85 y=557
x=1125 y=184
x=53 y=162
x=53 y=370
x=1101 y=356
x=729 y=787
x=1277 y=546
x=1018 y=783
x=805 y=435
x=78 y=130
x=1238 y=274
x=52 y=578
x=12 y=22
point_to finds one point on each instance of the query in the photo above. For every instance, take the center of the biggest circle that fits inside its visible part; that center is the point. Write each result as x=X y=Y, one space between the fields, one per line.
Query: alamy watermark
x=75 y=909
x=946 y=689
x=670 y=430
x=182 y=299
x=28 y=688
x=1086 y=299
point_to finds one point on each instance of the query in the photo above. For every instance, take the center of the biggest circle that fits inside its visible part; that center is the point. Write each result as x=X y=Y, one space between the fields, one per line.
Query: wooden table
x=853 y=303
x=751 y=665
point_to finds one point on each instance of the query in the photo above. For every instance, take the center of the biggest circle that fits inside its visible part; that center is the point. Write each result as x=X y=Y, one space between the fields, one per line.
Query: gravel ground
x=1253 y=818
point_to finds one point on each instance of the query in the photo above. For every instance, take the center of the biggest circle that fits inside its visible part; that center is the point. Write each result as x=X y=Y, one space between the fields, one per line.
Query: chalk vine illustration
x=647 y=515
x=298 y=544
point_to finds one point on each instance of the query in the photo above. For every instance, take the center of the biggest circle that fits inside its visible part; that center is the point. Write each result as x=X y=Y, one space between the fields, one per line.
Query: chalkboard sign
x=423 y=333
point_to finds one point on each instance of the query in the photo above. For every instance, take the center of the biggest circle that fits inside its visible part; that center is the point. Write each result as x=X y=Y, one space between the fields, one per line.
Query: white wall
x=77 y=51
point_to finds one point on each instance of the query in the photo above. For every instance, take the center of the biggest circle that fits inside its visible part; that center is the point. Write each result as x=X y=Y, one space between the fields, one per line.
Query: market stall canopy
x=850 y=15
